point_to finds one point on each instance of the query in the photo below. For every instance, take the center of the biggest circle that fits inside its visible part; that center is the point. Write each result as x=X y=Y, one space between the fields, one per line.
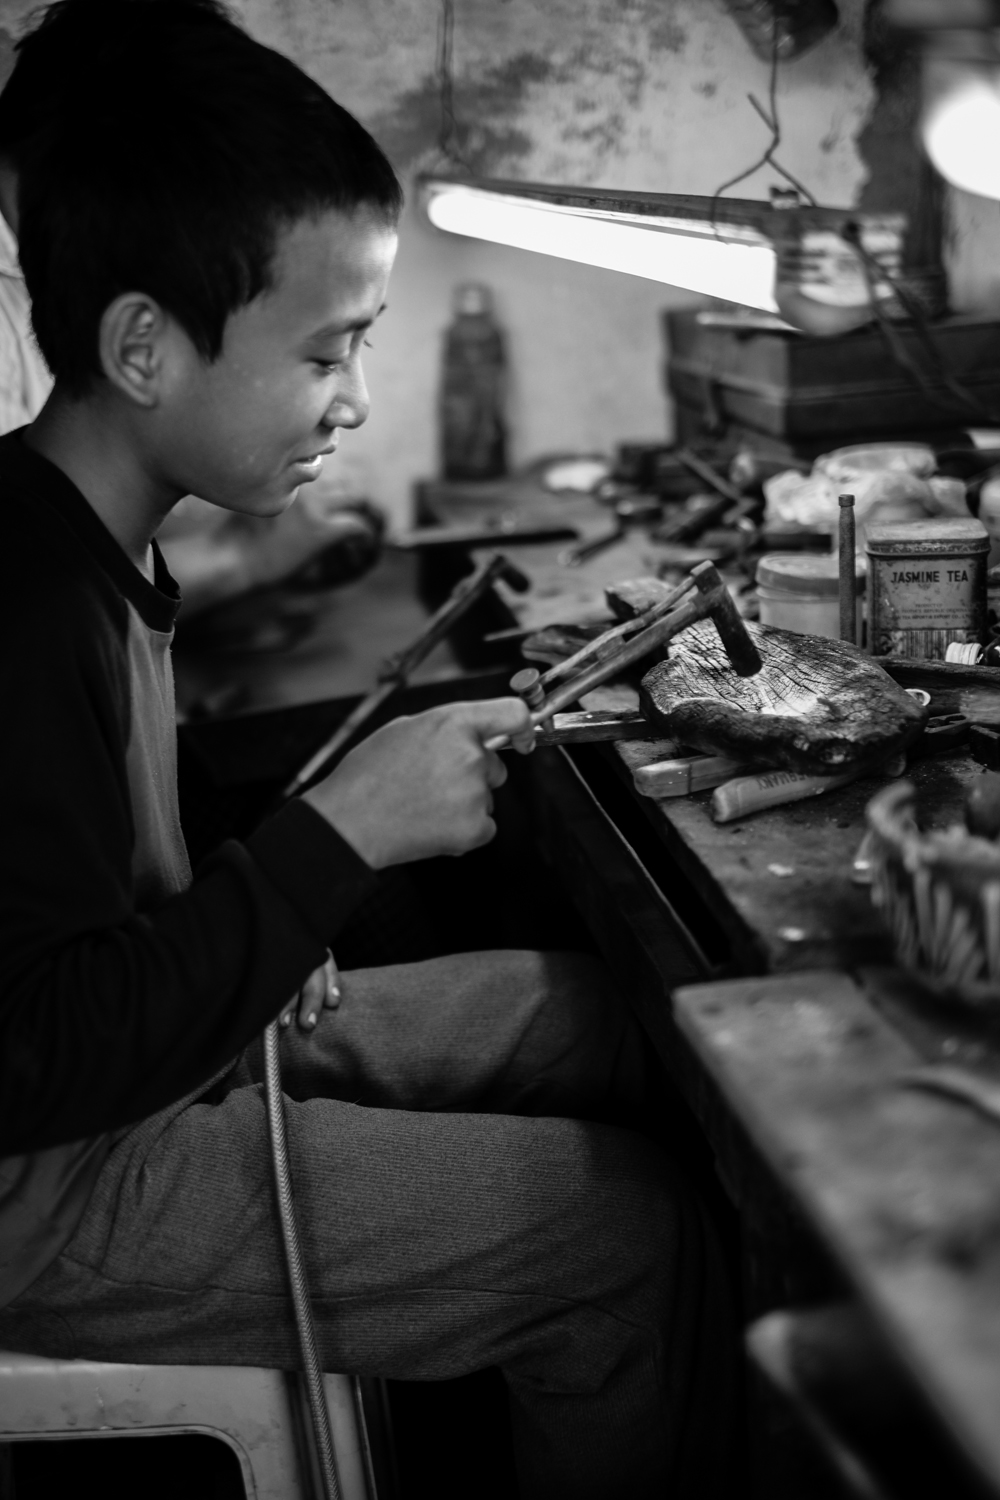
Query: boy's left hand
x=321 y=989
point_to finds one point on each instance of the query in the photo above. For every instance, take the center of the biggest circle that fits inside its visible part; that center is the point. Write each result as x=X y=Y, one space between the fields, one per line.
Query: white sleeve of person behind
x=25 y=381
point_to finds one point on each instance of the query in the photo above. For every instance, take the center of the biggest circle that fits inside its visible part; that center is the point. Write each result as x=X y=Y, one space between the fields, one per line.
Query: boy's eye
x=329 y=365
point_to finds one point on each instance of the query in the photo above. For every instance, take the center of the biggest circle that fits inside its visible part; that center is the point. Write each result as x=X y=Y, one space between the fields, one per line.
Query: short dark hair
x=159 y=148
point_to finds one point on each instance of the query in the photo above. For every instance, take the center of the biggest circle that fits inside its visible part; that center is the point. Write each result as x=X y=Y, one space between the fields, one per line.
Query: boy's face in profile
x=246 y=430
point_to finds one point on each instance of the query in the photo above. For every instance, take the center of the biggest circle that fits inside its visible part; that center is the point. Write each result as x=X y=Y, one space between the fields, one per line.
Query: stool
x=255 y=1411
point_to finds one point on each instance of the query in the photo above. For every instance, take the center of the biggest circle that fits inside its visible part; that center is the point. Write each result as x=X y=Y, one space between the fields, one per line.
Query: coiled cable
x=298 y=1284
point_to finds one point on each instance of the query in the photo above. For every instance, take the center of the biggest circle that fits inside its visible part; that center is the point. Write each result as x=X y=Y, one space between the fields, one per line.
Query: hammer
x=710 y=600
x=395 y=670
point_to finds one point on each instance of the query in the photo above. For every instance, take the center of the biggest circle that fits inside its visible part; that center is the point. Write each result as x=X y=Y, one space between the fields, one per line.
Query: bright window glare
x=697 y=262
x=962 y=135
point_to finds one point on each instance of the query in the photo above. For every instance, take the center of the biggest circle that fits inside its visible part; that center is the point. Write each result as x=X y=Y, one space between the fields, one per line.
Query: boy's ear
x=131 y=346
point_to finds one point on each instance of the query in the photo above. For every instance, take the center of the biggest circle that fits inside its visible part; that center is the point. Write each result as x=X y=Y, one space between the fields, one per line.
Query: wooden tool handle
x=603 y=645
x=686 y=774
x=634 y=650
x=750 y=794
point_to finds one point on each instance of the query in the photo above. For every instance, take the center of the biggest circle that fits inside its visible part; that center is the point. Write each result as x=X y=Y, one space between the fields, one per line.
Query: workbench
x=764 y=976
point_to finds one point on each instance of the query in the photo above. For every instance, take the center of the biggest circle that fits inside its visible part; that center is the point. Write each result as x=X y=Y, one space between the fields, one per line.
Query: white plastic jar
x=800 y=591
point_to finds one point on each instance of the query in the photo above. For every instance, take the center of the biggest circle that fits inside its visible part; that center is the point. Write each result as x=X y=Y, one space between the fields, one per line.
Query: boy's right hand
x=422 y=786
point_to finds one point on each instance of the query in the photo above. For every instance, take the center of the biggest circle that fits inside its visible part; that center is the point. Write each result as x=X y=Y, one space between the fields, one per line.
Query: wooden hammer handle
x=634 y=650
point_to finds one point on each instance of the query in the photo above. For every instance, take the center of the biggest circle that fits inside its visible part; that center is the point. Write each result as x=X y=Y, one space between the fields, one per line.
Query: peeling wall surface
x=641 y=94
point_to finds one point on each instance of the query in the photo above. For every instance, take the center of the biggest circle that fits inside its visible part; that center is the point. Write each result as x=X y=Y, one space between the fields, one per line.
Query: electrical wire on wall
x=448 y=148
x=772 y=120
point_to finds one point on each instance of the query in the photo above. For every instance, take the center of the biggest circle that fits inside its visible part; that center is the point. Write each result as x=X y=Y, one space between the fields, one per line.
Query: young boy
x=207 y=240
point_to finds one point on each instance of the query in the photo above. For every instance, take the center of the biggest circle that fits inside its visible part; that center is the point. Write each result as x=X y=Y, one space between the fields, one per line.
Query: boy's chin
x=263 y=505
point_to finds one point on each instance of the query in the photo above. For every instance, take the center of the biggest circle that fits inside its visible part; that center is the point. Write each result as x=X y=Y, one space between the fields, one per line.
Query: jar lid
x=805 y=573
x=910 y=538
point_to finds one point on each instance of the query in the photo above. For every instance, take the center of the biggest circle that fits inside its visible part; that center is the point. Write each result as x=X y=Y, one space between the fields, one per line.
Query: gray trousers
x=460 y=1207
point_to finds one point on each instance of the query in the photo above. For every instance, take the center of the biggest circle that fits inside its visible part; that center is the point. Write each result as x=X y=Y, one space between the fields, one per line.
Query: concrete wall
x=646 y=94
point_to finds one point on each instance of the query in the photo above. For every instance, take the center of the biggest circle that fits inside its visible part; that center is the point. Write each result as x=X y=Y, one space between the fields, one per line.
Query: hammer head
x=719 y=607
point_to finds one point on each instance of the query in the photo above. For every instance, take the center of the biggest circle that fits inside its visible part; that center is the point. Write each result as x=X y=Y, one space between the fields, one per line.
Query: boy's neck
x=91 y=441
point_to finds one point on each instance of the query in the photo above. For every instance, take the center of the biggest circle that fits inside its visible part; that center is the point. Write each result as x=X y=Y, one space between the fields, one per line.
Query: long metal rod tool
x=397 y=669
x=848 y=572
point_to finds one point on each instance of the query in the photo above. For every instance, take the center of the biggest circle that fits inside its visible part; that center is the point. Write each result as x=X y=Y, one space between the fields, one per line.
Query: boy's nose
x=351 y=405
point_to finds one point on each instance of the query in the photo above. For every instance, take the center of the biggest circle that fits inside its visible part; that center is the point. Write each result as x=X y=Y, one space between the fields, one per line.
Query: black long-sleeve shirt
x=124 y=984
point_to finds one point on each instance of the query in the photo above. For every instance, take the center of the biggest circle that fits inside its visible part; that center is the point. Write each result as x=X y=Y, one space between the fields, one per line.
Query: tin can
x=926 y=586
x=801 y=591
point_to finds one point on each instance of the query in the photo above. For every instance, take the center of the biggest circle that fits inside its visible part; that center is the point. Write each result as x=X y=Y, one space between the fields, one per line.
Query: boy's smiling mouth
x=314 y=464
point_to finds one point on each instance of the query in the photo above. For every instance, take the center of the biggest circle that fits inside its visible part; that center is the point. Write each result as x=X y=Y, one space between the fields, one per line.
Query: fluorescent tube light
x=736 y=263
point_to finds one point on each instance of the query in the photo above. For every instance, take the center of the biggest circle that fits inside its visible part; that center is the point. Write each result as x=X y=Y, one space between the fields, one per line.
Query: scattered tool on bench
x=632 y=510
x=396 y=670
x=510 y=530
x=709 y=600
x=690 y=525
x=757 y=790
